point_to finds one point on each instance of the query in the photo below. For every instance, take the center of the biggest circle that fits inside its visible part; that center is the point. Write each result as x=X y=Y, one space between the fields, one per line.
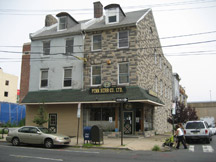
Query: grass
x=156 y=148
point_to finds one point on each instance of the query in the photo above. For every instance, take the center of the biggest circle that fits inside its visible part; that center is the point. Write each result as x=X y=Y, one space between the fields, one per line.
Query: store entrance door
x=128 y=122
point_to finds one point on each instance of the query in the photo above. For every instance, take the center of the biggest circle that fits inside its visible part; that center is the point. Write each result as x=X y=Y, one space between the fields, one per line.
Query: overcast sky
x=187 y=29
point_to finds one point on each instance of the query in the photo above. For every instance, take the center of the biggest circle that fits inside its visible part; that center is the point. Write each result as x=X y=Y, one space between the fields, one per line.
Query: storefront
x=99 y=107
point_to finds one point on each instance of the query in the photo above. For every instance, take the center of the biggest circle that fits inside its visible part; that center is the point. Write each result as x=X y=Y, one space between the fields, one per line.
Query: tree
x=183 y=114
x=41 y=117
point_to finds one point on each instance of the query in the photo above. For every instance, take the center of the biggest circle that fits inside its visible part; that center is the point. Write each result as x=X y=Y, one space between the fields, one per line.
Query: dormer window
x=62 y=23
x=112 y=19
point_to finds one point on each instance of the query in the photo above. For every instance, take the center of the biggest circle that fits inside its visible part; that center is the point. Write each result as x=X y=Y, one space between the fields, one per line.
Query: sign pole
x=78 y=116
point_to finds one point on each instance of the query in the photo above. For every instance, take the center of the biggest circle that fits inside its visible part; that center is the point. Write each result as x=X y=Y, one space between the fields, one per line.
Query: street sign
x=121 y=99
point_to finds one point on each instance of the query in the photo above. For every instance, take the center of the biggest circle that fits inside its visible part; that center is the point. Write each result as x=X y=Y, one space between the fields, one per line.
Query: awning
x=134 y=94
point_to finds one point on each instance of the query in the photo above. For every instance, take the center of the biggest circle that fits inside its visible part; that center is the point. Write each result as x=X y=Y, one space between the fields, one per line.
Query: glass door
x=128 y=124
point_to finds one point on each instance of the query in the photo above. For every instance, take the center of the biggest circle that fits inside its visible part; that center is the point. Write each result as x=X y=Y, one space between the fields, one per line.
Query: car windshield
x=195 y=125
x=45 y=130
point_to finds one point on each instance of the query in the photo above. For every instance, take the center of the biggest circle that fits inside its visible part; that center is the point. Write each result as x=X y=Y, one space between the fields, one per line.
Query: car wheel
x=48 y=143
x=207 y=140
x=15 y=141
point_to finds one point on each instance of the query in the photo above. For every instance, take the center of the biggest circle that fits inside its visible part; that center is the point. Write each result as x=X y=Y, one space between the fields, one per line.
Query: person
x=182 y=128
x=180 y=137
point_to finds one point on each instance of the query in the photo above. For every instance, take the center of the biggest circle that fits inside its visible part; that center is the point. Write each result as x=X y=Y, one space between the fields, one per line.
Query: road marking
x=207 y=148
x=35 y=157
x=86 y=152
x=191 y=148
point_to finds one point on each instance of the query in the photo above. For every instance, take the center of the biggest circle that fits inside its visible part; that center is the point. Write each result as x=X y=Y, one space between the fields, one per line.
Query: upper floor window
x=67 y=77
x=155 y=54
x=161 y=87
x=44 y=79
x=160 y=60
x=156 y=84
x=46 y=47
x=123 y=73
x=69 y=46
x=123 y=39
x=7 y=82
x=96 y=42
x=112 y=19
x=62 y=23
x=96 y=75
x=5 y=94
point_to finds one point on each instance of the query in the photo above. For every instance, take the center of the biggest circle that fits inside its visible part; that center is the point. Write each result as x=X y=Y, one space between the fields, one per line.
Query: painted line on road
x=86 y=152
x=207 y=148
x=35 y=157
x=191 y=148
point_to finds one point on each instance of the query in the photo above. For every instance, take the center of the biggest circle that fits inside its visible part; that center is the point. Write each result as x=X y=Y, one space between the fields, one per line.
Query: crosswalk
x=205 y=148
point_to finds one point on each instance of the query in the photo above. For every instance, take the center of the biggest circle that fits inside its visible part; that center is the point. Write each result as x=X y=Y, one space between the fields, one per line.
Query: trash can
x=87 y=134
x=96 y=134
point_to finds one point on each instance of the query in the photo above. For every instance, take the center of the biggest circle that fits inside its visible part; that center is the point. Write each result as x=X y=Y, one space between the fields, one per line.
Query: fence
x=11 y=113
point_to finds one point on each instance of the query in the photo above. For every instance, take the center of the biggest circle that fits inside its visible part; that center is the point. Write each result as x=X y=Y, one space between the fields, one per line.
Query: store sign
x=108 y=90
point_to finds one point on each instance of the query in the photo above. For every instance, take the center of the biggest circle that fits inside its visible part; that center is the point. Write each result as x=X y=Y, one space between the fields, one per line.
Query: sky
x=187 y=31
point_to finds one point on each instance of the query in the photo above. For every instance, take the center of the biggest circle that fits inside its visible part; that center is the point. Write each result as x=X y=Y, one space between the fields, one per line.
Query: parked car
x=213 y=129
x=36 y=135
x=197 y=130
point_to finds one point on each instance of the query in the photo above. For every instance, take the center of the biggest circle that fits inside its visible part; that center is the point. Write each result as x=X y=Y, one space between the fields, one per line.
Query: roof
x=114 y=6
x=134 y=94
x=130 y=19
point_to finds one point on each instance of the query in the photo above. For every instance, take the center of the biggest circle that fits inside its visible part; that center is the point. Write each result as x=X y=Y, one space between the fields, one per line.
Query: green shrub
x=156 y=148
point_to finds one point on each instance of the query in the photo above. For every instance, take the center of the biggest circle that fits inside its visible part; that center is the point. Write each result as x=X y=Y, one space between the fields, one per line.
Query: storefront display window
x=148 y=118
x=102 y=114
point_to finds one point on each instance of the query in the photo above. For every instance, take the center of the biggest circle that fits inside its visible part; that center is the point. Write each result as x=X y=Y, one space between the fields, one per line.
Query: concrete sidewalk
x=139 y=143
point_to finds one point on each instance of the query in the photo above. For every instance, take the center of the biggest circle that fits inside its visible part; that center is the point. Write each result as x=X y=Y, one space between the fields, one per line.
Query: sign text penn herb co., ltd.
x=108 y=90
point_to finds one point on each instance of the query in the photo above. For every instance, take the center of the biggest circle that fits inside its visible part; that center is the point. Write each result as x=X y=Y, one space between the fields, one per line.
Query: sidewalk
x=140 y=143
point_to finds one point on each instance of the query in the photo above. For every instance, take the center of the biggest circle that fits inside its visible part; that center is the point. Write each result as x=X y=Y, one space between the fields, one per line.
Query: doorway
x=128 y=122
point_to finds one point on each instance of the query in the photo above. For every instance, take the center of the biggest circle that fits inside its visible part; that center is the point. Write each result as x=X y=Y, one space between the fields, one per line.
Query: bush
x=156 y=148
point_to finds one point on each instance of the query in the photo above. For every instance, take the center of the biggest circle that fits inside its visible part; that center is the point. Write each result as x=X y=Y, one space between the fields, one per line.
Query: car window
x=24 y=130
x=45 y=130
x=195 y=125
x=33 y=130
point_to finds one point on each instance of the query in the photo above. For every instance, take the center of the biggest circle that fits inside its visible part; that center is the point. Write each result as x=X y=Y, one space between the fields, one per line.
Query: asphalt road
x=197 y=152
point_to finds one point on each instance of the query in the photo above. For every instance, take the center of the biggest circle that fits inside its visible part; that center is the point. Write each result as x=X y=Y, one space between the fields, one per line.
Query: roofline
x=143 y=15
x=90 y=102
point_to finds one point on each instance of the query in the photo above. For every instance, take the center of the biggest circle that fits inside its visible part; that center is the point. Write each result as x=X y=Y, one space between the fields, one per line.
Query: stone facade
x=143 y=42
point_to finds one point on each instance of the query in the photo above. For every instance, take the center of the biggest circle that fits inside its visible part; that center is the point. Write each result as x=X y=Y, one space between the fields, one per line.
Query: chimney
x=50 y=20
x=98 y=9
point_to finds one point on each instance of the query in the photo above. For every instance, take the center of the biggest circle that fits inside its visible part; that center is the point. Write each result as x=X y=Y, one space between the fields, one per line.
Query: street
x=198 y=152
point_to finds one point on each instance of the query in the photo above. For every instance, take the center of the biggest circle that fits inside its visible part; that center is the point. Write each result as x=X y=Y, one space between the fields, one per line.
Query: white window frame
x=65 y=24
x=42 y=70
x=46 y=55
x=125 y=73
x=67 y=87
x=69 y=39
x=95 y=75
x=127 y=39
x=92 y=45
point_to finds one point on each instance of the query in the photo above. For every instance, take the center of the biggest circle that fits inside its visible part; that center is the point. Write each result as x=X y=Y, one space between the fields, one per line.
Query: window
x=46 y=48
x=156 y=84
x=123 y=73
x=161 y=87
x=148 y=118
x=123 y=39
x=160 y=62
x=5 y=94
x=96 y=39
x=44 y=79
x=24 y=130
x=62 y=23
x=96 y=75
x=155 y=54
x=112 y=19
x=68 y=77
x=102 y=114
x=7 y=82
x=69 y=46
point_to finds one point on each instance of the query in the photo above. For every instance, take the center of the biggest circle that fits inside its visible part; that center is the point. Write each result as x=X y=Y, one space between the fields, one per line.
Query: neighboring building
x=179 y=93
x=25 y=71
x=124 y=61
x=8 y=87
x=204 y=109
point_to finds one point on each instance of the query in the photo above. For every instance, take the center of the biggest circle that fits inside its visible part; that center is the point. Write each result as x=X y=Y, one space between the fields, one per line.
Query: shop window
x=148 y=118
x=102 y=114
